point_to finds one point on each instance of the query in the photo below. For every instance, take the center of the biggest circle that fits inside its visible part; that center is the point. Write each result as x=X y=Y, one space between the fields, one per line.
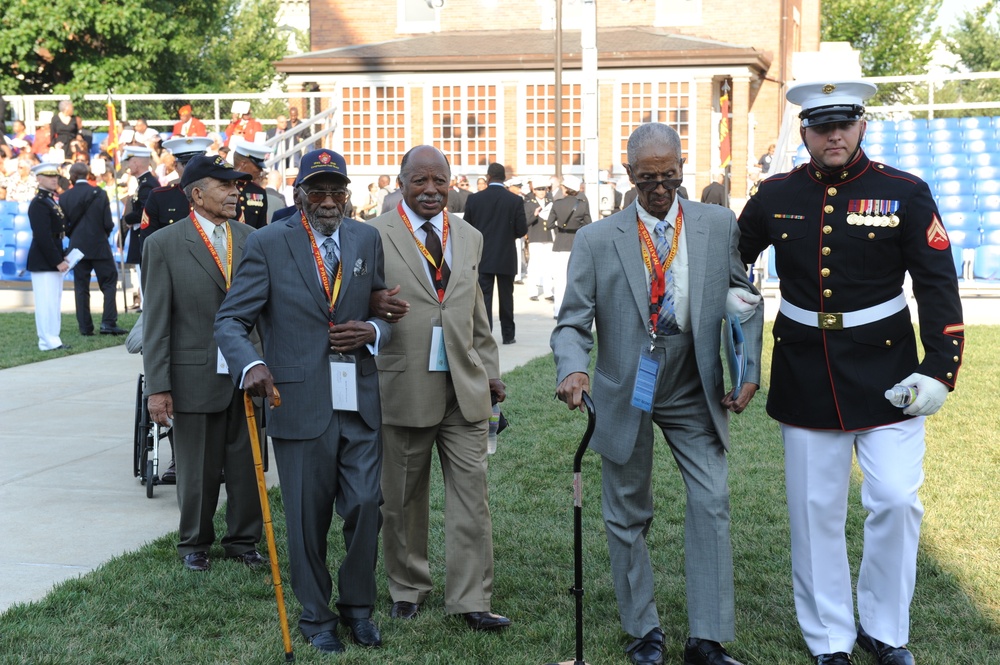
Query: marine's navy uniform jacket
x=164 y=206
x=48 y=225
x=843 y=242
x=252 y=206
x=147 y=182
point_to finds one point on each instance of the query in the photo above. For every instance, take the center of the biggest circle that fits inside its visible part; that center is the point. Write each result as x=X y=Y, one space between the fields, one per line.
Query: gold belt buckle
x=831 y=320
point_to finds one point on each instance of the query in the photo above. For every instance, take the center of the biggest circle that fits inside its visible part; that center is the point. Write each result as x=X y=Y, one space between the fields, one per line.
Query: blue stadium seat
x=913 y=136
x=924 y=173
x=947 y=147
x=948 y=204
x=986 y=172
x=991 y=237
x=963 y=220
x=911 y=161
x=953 y=187
x=958 y=256
x=917 y=148
x=881 y=125
x=964 y=239
x=985 y=159
x=880 y=152
x=976 y=147
x=977 y=133
x=951 y=173
x=959 y=159
x=990 y=203
x=945 y=135
x=880 y=138
x=974 y=123
x=987 y=263
x=991 y=220
x=987 y=187
x=908 y=125
x=943 y=123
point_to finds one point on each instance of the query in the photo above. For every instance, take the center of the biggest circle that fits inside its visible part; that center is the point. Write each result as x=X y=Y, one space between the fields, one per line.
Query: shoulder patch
x=937 y=237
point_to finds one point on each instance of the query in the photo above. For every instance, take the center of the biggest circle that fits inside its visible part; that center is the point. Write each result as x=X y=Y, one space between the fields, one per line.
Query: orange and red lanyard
x=331 y=293
x=427 y=255
x=657 y=270
x=226 y=270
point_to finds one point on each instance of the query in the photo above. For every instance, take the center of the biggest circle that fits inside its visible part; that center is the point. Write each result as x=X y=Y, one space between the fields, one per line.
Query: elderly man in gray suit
x=656 y=277
x=306 y=281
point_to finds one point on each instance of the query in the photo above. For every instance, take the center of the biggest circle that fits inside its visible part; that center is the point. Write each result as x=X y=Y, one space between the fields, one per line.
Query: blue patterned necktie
x=330 y=259
x=667 y=323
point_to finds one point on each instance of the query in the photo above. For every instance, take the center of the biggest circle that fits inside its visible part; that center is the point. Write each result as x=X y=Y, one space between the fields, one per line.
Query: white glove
x=931 y=394
x=742 y=303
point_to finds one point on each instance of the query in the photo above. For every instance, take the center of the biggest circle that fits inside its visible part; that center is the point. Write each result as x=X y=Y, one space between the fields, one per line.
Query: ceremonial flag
x=725 y=141
x=112 y=131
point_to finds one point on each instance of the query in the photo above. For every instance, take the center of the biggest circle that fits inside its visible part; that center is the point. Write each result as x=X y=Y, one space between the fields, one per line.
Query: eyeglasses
x=319 y=195
x=669 y=184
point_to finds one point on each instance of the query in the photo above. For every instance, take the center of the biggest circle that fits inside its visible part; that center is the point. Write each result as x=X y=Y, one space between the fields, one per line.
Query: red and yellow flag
x=725 y=141
x=112 y=131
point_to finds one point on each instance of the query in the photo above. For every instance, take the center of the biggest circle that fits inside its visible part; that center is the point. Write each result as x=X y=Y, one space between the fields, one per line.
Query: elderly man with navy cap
x=846 y=231
x=305 y=282
x=187 y=268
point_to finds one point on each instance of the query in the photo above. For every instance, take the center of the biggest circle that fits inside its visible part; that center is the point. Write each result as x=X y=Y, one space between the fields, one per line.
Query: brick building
x=475 y=78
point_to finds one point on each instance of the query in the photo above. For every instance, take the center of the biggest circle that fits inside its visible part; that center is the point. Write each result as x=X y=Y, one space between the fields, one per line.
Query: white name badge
x=438 y=357
x=221 y=366
x=645 y=383
x=344 y=383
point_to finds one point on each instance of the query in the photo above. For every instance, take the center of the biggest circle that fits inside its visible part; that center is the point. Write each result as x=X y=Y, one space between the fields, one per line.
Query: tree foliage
x=138 y=46
x=894 y=37
x=976 y=42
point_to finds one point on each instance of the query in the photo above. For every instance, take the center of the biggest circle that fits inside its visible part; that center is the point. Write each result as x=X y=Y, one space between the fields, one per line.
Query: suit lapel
x=459 y=239
x=403 y=241
x=305 y=261
x=200 y=252
x=348 y=256
x=630 y=255
x=696 y=243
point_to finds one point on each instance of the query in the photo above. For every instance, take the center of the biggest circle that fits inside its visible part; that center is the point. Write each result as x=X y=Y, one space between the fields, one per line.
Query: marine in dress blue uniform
x=249 y=158
x=168 y=204
x=845 y=230
x=45 y=257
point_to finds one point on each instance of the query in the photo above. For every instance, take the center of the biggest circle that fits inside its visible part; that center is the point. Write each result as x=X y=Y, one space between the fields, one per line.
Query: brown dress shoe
x=197 y=561
x=404 y=610
x=486 y=621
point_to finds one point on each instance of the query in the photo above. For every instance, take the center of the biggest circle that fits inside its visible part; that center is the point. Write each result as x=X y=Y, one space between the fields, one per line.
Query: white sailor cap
x=241 y=107
x=255 y=152
x=136 y=151
x=514 y=182
x=188 y=146
x=45 y=168
x=571 y=182
x=826 y=102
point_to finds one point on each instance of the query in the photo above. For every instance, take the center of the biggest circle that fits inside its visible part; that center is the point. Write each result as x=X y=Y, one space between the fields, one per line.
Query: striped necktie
x=330 y=259
x=667 y=324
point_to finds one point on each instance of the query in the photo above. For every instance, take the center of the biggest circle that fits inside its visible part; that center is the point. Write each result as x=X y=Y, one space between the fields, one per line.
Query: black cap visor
x=824 y=115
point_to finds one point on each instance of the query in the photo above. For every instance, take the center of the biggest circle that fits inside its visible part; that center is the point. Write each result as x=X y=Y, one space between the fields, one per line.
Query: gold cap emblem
x=829 y=88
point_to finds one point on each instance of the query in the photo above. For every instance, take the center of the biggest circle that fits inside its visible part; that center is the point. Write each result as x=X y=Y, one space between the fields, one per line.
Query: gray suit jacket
x=182 y=290
x=278 y=288
x=607 y=282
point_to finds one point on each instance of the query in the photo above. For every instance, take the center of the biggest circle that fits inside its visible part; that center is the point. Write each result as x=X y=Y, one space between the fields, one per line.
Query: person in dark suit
x=166 y=205
x=846 y=232
x=249 y=158
x=499 y=215
x=457 y=196
x=568 y=215
x=663 y=320
x=434 y=257
x=88 y=224
x=392 y=198
x=45 y=257
x=306 y=280
x=187 y=269
x=715 y=191
x=136 y=159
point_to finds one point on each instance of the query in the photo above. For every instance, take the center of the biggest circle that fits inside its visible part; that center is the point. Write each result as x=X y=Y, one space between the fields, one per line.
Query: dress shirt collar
x=650 y=221
x=417 y=221
x=206 y=224
x=320 y=238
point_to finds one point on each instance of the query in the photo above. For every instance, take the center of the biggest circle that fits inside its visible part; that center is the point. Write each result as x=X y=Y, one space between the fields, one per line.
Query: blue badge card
x=645 y=383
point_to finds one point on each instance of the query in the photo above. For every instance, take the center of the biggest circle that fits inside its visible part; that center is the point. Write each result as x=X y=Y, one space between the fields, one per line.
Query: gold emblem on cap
x=828 y=88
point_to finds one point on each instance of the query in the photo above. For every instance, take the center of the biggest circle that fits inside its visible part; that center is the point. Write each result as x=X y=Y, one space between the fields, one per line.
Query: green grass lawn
x=19 y=341
x=142 y=607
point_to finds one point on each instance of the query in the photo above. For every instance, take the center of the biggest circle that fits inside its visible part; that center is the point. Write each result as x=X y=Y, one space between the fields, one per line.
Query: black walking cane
x=265 y=508
x=577 y=589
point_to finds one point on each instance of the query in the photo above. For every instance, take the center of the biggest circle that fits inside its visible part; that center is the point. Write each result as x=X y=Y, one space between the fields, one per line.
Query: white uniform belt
x=841 y=320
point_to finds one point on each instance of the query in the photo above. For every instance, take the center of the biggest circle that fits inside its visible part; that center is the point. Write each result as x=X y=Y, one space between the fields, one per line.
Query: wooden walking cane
x=265 y=509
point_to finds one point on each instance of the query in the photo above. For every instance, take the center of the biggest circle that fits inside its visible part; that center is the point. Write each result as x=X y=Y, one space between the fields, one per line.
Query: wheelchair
x=148 y=434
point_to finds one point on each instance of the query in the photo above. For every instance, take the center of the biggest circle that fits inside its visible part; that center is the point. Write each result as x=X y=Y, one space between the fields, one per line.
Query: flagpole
x=113 y=151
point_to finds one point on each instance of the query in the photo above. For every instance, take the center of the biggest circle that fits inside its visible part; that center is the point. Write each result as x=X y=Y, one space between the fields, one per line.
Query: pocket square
x=360 y=268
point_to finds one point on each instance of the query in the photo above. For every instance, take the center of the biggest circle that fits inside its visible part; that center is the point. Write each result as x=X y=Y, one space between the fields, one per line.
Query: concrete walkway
x=68 y=499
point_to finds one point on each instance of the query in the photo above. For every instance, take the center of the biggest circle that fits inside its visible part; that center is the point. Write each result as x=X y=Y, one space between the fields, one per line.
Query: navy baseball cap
x=210 y=166
x=321 y=161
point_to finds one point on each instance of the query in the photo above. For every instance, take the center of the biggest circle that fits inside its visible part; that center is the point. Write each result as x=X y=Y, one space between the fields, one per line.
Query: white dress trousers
x=817 y=480
x=47 y=289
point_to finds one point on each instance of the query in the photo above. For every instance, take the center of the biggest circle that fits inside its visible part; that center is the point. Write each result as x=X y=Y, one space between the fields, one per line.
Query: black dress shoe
x=839 y=658
x=113 y=330
x=169 y=476
x=197 y=561
x=510 y=341
x=534 y=298
x=60 y=347
x=404 y=610
x=327 y=642
x=647 y=650
x=364 y=632
x=251 y=559
x=486 y=621
x=706 y=652
x=884 y=654
x=89 y=333
x=550 y=298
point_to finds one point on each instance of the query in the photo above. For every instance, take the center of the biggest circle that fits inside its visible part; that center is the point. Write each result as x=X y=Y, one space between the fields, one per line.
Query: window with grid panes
x=540 y=125
x=373 y=120
x=664 y=101
x=464 y=124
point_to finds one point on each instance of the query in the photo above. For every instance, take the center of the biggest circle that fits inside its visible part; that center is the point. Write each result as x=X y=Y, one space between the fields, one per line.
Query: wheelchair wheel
x=138 y=431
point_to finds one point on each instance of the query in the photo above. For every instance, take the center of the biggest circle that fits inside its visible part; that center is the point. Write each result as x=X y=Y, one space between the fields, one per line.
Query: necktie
x=219 y=240
x=667 y=324
x=330 y=259
x=433 y=245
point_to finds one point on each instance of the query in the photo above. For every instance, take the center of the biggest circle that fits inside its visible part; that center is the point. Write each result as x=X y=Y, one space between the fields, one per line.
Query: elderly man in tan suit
x=437 y=375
